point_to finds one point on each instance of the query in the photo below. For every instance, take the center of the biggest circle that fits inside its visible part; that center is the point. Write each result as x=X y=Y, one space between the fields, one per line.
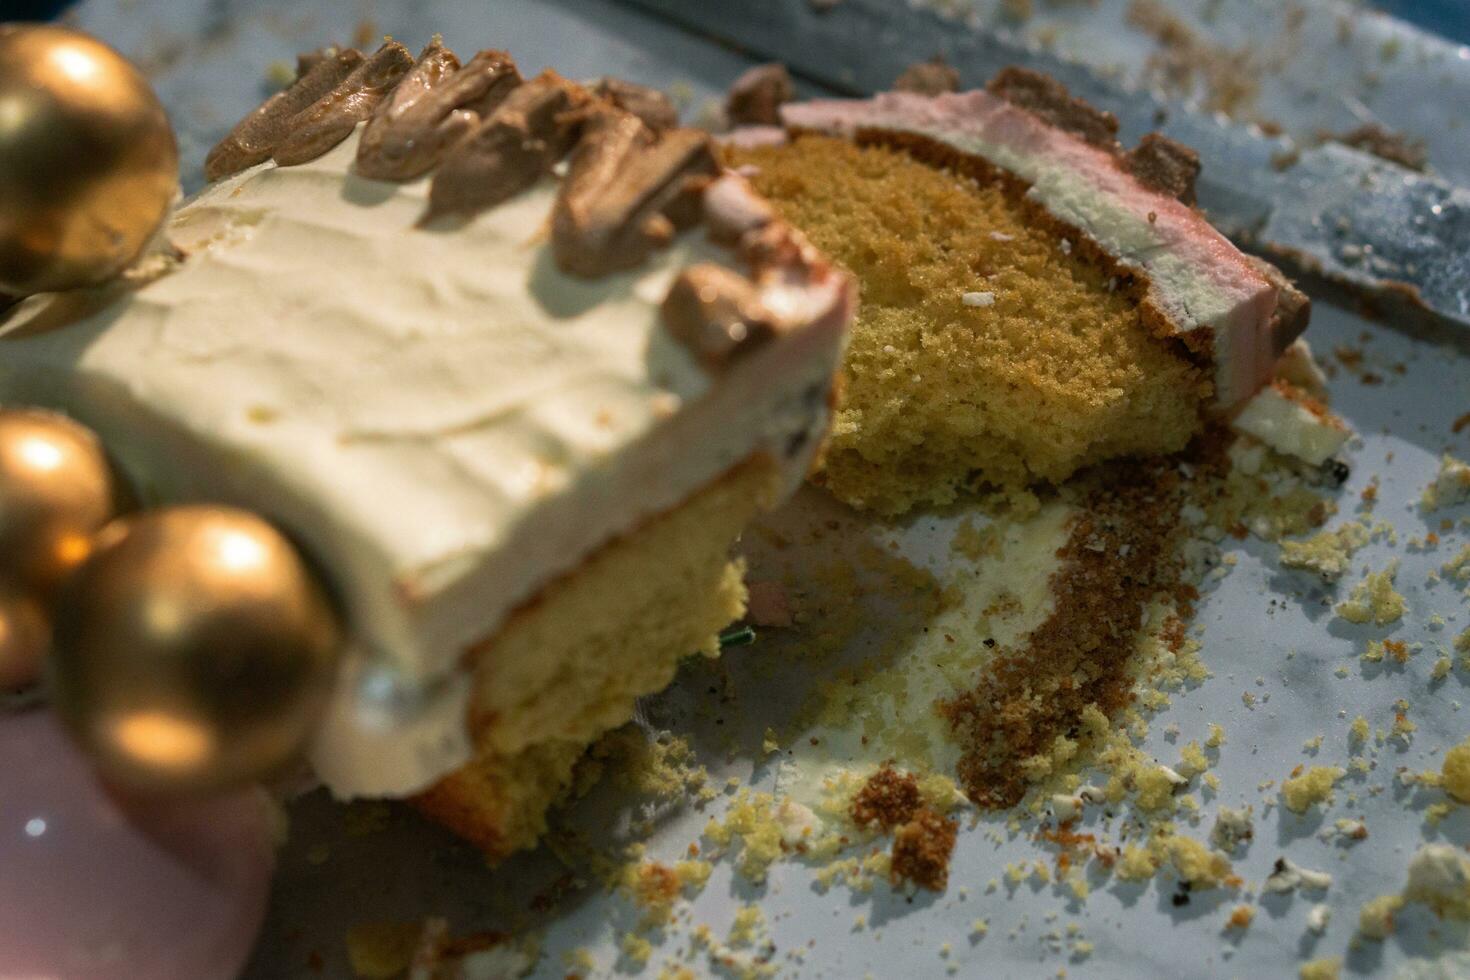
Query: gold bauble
x=88 y=163
x=25 y=636
x=193 y=651
x=56 y=492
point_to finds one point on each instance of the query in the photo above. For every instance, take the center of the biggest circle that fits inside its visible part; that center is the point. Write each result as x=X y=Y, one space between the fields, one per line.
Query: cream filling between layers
x=1197 y=276
x=443 y=418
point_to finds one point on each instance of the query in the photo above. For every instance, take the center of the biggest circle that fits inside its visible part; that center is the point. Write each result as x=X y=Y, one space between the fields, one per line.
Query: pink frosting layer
x=1199 y=279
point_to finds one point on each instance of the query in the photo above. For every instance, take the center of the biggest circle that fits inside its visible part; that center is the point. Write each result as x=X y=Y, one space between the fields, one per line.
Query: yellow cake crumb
x=1326 y=968
x=975 y=543
x=1217 y=736
x=1458 y=567
x=751 y=818
x=749 y=923
x=1136 y=864
x=655 y=887
x=1374 y=599
x=693 y=874
x=1155 y=786
x=379 y=950
x=1314 y=786
x=1192 y=761
x=1451 y=485
x=1197 y=864
x=1327 y=553
x=1375 y=917
x=1436 y=812
x=1402 y=726
x=636 y=948
x=1455 y=772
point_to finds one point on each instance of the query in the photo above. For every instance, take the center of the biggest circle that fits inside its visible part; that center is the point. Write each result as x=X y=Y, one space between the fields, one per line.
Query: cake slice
x=1035 y=299
x=518 y=415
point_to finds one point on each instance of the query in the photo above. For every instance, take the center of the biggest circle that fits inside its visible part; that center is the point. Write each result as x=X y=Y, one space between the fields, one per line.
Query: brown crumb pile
x=1385 y=144
x=1117 y=558
x=888 y=798
x=921 y=850
x=1049 y=366
x=922 y=839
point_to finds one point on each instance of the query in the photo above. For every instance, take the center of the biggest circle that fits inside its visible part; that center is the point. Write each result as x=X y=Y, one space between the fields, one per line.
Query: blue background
x=1450 y=18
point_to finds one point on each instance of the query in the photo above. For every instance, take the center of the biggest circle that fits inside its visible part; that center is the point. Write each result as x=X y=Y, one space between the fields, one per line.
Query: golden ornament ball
x=56 y=492
x=193 y=651
x=88 y=162
x=25 y=637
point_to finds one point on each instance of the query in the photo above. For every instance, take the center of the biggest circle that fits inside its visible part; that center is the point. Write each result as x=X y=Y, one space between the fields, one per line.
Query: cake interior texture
x=1047 y=368
x=570 y=665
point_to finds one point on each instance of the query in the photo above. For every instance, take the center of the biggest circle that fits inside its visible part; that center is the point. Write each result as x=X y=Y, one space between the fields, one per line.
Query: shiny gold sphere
x=88 y=163
x=25 y=637
x=56 y=492
x=193 y=650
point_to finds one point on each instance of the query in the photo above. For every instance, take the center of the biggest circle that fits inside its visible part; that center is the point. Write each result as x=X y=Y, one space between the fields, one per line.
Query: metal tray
x=1265 y=632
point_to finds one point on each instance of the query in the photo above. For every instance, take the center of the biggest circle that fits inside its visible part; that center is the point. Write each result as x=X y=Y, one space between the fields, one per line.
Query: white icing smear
x=878 y=703
x=443 y=418
x=1198 y=278
x=1280 y=417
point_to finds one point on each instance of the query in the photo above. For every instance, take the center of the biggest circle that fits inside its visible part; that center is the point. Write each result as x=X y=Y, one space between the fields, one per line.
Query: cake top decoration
x=87 y=159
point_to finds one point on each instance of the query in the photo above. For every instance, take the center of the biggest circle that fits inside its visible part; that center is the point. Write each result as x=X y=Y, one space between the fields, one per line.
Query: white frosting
x=440 y=416
x=1451 y=484
x=1298 y=367
x=1289 y=876
x=1278 y=417
x=1439 y=875
x=1065 y=806
x=888 y=714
